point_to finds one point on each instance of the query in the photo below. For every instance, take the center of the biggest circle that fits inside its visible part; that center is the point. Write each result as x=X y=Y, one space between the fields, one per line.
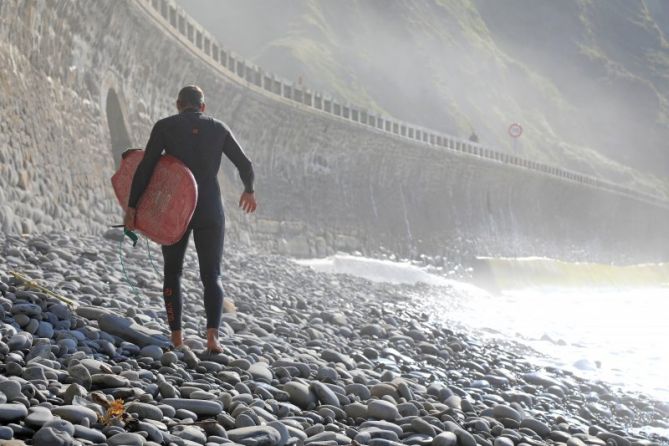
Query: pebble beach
x=310 y=359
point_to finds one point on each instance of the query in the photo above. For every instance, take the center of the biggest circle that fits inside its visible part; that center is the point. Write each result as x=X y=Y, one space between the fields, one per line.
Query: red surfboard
x=166 y=207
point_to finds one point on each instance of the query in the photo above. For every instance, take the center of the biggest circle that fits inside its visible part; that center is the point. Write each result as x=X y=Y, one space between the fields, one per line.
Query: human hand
x=129 y=219
x=248 y=202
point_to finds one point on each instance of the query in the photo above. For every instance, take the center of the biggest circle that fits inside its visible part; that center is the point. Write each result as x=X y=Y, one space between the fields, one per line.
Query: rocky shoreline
x=310 y=359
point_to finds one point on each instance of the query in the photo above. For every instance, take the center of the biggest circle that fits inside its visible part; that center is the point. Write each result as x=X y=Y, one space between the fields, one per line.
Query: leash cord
x=125 y=273
x=148 y=250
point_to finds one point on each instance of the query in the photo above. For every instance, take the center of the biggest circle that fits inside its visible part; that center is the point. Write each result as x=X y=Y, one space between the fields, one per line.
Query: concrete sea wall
x=82 y=81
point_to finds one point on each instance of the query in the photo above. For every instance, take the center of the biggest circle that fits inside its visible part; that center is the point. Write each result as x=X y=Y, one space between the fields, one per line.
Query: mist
x=587 y=82
x=196 y=252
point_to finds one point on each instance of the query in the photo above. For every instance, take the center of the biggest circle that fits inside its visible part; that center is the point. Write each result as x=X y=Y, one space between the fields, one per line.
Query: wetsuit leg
x=173 y=256
x=209 y=245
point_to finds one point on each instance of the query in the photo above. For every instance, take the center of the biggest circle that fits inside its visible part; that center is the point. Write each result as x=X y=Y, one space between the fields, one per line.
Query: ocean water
x=615 y=335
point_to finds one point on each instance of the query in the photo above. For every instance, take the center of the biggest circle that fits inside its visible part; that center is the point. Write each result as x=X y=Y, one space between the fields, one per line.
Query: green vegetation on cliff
x=587 y=79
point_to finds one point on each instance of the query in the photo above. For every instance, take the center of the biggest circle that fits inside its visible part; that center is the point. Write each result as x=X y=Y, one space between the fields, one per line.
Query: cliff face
x=586 y=79
x=86 y=80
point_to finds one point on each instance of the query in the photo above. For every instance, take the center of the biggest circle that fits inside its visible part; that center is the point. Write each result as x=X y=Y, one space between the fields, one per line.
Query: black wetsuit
x=198 y=141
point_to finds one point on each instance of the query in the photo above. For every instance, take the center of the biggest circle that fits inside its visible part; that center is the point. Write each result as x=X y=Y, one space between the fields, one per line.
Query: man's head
x=190 y=97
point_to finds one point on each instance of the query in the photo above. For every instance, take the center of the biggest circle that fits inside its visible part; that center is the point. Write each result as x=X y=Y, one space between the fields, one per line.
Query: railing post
x=232 y=63
x=198 y=39
x=182 y=24
x=173 y=16
x=336 y=108
x=287 y=90
x=241 y=68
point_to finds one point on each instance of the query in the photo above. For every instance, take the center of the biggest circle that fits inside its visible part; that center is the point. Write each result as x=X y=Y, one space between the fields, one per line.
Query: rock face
x=93 y=111
x=291 y=372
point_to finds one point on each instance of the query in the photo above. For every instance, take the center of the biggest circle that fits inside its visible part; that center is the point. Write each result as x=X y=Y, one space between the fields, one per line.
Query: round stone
x=254 y=435
x=423 y=427
x=75 y=414
x=445 y=439
x=145 y=411
x=359 y=390
x=503 y=441
x=48 y=436
x=38 y=416
x=199 y=407
x=27 y=309
x=6 y=433
x=125 y=439
x=300 y=394
x=503 y=411
x=20 y=341
x=260 y=372
x=192 y=433
x=11 y=389
x=61 y=425
x=325 y=394
x=537 y=426
x=34 y=373
x=382 y=389
x=80 y=375
x=45 y=330
x=465 y=438
x=382 y=410
x=86 y=433
x=32 y=326
x=151 y=351
x=167 y=390
x=169 y=358
x=22 y=320
x=12 y=412
x=327 y=374
x=183 y=414
x=202 y=395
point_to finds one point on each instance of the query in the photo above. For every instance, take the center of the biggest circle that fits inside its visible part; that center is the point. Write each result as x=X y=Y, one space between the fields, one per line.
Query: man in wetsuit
x=199 y=142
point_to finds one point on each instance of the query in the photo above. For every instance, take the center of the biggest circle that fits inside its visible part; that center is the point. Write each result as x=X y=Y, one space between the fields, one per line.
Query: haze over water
x=614 y=335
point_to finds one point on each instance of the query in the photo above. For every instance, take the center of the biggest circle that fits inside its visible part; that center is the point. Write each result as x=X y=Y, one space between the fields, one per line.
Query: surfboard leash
x=120 y=256
x=135 y=238
x=148 y=250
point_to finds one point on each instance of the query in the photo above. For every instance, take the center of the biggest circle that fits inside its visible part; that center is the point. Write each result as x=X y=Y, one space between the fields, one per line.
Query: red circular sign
x=515 y=130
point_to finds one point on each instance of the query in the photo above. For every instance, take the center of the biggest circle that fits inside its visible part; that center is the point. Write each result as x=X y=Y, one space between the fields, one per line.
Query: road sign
x=515 y=130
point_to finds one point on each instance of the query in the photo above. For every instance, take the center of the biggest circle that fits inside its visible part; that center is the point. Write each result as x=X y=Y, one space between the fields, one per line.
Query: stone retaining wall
x=85 y=79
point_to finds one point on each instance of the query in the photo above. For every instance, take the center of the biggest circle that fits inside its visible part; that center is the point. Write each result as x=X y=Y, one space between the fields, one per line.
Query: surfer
x=199 y=141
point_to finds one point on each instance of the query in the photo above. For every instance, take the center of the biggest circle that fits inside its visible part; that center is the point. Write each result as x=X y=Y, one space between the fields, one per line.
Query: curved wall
x=84 y=78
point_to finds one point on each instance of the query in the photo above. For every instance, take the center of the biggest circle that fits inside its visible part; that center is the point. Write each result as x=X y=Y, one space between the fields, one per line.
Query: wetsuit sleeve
x=140 y=181
x=243 y=164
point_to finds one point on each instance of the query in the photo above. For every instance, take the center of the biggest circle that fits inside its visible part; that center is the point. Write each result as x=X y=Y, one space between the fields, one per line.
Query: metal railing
x=179 y=22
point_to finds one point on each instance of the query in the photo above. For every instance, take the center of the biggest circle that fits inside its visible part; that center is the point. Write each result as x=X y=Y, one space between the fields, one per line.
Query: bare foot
x=177 y=339
x=212 y=341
